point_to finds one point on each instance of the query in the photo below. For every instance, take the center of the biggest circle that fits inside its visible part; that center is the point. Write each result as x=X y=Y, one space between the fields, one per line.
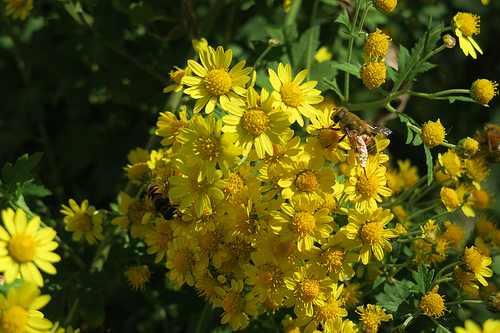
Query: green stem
x=258 y=61
x=438 y=275
x=440 y=93
x=406 y=193
x=466 y=301
x=310 y=42
x=409 y=218
x=291 y=16
x=205 y=316
x=349 y=50
x=439 y=325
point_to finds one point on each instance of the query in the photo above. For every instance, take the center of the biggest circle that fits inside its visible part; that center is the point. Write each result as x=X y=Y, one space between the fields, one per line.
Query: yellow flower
x=429 y=231
x=170 y=127
x=138 y=276
x=18 y=8
x=481 y=200
x=83 y=221
x=464 y=279
x=483 y=90
x=24 y=248
x=489 y=326
x=433 y=133
x=213 y=81
x=368 y=229
x=19 y=310
x=366 y=186
x=138 y=155
x=255 y=122
x=432 y=304
x=236 y=306
x=135 y=213
x=158 y=238
x=206 y=146
x=299 y=221
x=200 y=45
x=206 y=283
x=454 y=234
x=376 y=45
x=477 y=170
x=485 y=226
x=372 y=316
x=138 y=173
x=184 y=260
x=287 y=4
x=292 y=96
x=212 y=244
x=351 y=294
x=408 y=173
x=373 y=73
x=449 y=198
x=465 y=25
x=323 y=54
x=473 y=261
x=452 y=163
x=177 y=76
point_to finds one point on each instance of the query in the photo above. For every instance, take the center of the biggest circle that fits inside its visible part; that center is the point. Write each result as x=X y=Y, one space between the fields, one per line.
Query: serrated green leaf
x=426 y=66
x=428 y=161
x=35 y=190
x=392 y=73
x=20 y=172
x=349 y=68
x=423 y=277
x=344 y=19
x=403 y=58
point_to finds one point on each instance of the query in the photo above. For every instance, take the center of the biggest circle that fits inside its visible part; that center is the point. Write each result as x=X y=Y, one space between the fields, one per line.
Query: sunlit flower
x=212 y=244
x=18 y=8
x=449 y=198
x=256 y=122
x=483 y=90
x=19 y=310
x=84 y=221
x=236 y=306
x=477 y=170
x=206 y=146
x=292 y=96
x=473 y=261
x=157 y=238
x=24 y=248
x=138 y=155
x=408 y=173
x=206 y=283
x=489 y=326
x=184 y=260
x=138 y=276
x=452 y=163
x=177 y=76
x=213 y=81
x=433 y=133
x=373 y=73
x=368 y=229
x=372 y=316
x=465 y=199
x=466 y=25
x=170 y=127
x=432 y=304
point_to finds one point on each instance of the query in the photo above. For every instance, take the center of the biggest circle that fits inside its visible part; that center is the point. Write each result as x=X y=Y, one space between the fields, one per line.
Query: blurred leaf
x=349 y=68
x=344 y=19
x=305 y=49
x=20 y=172
x=91 y=304
x=35 y=190
x=335 y=87
x=142 y=13
x=321 y=71
x=428 y=161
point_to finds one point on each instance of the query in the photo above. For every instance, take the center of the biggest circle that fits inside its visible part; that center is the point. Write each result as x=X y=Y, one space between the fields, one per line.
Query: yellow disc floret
x=218 y=82
x=385 y=6
x=483 y=90
x=376 y=44
x=433 y=133
x=292 y=94
x=373 y=74
x=432 y=304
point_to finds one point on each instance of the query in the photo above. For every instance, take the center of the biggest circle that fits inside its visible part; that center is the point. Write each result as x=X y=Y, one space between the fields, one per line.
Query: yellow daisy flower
x=18 y=8
x=177 y=76
x=206 y=146
x=138 y=155
x=464 y=279
x=138 y=276
x=24 y=248
x=466 y=25
x=433 y=133
x=212 y=244
x=372 y=316
x=473 y=261
x=483 y=90
x=256 y=122
x=299 y=221
x=170 y=127
x=19 y=310
x=292 y=96
x=136 y=214
x=489 y=326
x=184 y=260
x=83 y=221
x=408 y=173
x=158 y=237
x=193 y=191
x=432 y=304
x=213 y=81
x=236 y=306
x=366 y=186
x=206 y=283
x=368 y=228
x=323 y=54
x=351 y=293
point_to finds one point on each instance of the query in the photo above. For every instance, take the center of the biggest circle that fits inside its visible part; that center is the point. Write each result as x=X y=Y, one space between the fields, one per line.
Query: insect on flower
x=158 y=195
x=489 y=142
x=359 y=132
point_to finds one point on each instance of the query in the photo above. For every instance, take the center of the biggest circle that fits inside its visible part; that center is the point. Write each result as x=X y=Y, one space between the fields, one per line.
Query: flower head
x=213 y=81
x=24 y=248
x=138 y=276
x=158 y=236
x=372 y=316
x=489 y=326
x=483 y=90
x=433 y=133
x=432 y=304
x=376 y=45
x=18 y=8
x=292 y=95
x=177 y=76
x=84 y=221
x=473 y=261
x=184 y=260
x=19 y=310
x=373 y=73
x=466 y=25
x=170 y=127
x=323 y=54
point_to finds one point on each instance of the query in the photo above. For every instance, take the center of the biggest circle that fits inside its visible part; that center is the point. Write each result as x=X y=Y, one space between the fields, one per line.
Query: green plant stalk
x=422 y=61
x=291 y=16
x=205 y=316
x=259 y=60
x=440 y=93
x=439 y=325
x=444 y=269
x=466 y=301
x=310 y=42
x=409 y=218
x=406 y=193
x=350 y=45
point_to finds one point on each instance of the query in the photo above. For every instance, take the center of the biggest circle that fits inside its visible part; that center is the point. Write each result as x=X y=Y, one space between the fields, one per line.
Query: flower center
x=282 y=249
x=135 y=212
x=209 y=243
x=255 y=121
x=234 y=184
x=138 y=171
x=328 y=138
x=14 y=320
x=372 y=233
x=270 y=276
x=184 y=261
x=432 y=305
x=367 y=187
x=82 y=222
x=473 y=260
x=331 y=309
x=309 y=289
x=470 y=24
x=332 y=258
x=307 y=181
x=303 y=223
x=291 y=94
x=233 y=303
x=164 y=234
x=240 y=249
x=208 y=147
x=22 y=247
x=218 y=82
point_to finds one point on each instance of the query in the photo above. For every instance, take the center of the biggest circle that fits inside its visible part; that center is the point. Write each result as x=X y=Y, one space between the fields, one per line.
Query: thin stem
x=310 y=43
x=409 y=218
x=349 y=50
x=466 y=301
x=439 y=325
x=258 y=61
x=444 y=269
x=440 y=93
x=205 y=316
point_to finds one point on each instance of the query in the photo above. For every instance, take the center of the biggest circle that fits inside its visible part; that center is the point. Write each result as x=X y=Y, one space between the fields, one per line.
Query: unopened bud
x=274 y=42
x=449 y=41
x=493 y=302
x=467 y=147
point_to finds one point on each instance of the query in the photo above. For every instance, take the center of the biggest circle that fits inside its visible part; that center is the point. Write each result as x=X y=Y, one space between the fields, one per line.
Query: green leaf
x=452 y=99
x=417 y=141
x=409 y=133
x=335 y=87
x=20 y=172
x=305 y=49
x=423 y=279
x=392 y=73
x=426 y=66
x=428 y=161
x=91 y=303
x=349 y=68
x=403 y=58
x=35 y=190
x=344 y=19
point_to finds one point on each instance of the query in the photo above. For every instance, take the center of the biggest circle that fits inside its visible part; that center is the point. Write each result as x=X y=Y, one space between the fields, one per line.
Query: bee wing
x=359 y=146
x=377 y=129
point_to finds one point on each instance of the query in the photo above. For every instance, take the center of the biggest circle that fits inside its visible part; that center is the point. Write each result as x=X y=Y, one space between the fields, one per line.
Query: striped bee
x=158 y=195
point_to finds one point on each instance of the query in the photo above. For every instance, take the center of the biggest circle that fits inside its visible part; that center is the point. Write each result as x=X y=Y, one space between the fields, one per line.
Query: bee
x=489 y=142
x=359 y=132
x=158 y=195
